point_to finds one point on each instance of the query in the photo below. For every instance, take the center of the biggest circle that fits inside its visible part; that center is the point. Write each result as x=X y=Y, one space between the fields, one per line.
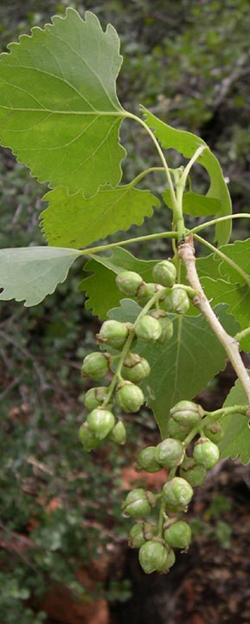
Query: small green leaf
x=30 y=273
x=59 y=111
x=181 y=367
x=194 y=204
x=72 y=220
x=187 y=143
x=101 y=288
x=236 y=440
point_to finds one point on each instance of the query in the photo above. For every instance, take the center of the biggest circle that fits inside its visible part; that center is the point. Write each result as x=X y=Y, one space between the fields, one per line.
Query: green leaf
x=59 y=111
x=73 y=221
x=30 y=273
x=184 y=365
x=194 y=204
x=187 y=143
x=236 y=440
x=101 y=288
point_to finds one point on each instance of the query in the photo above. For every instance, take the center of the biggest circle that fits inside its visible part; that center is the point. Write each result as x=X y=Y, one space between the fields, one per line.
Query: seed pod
x=169 y=453
x=138 y=503
x=177 y=301
x=167 y=328
x=129 y=282
x=146 y=460
x=187 y=414
x=135 y=368
x=129 y=397
x=178 y=535
x=195 y=475
x=114 y=334
x=148 y=329
x=100 y=422
x=206 y=453
x=140 y=533
x=177 y=494
x=95 y=397
x=95 y=366
x=146 y=291
x=214 y=432
x=155 y=557
x=175 y=430
x=87 y=438
x=164 y=273
x=118 y=433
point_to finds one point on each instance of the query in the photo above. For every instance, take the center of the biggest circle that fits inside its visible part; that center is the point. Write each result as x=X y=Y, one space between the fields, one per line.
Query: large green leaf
x=195 y=204
x=30 y=273
x=59 y=112
x=73 y=221
x=187 y=143
x=236 y=441
x=183 y=366
x=101 y=288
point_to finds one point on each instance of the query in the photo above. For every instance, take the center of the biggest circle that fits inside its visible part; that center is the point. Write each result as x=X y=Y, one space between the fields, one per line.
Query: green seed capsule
x=178 y=535
x=148 y=329
x=138 y=503
x=177 y=431
x=169 y=453
x=95 y=366
x=129 y=282
x=177 y=301
x=147 y=460
x=146 y=291
x=100 y=422
x=155 y=557
x=164 y=273
x=135 y=368
x=195 y=475
x=214 y=432
x=177 y=494
x=114 y=334
x=206 y=453
x=95 y=397
x=187 y=414
x=87 y=438
x=118 y=433
x=140 y=533
x=129 y=397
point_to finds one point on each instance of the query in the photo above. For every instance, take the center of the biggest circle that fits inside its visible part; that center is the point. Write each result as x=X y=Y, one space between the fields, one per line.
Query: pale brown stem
x=187 y=255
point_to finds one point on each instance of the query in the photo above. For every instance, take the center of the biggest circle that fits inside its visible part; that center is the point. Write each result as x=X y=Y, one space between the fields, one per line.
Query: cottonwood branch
x=187 y=254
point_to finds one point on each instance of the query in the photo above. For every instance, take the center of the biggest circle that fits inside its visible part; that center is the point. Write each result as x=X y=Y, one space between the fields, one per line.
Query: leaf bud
x=138 y=503
x=147 y=291
x=169 y=453
x=187 y=414
x=95 y=366
x=148 y=329
x=177 y=301
x=175 y=430
x=114 y=334
x=129 y=397
x=95 y=397
x=135 y=368
x=100 y=422
x=177 y=494
x=129 y=282
x=195 y=475
x=214 y=432
x=178 y=535
x=155 y=557
x=147 y=461
x=164 y=273
x=118 y=433
x=206 y=453
x=87 y=438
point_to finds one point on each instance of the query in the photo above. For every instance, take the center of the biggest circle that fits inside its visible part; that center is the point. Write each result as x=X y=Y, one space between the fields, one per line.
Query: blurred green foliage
x=189 y=63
